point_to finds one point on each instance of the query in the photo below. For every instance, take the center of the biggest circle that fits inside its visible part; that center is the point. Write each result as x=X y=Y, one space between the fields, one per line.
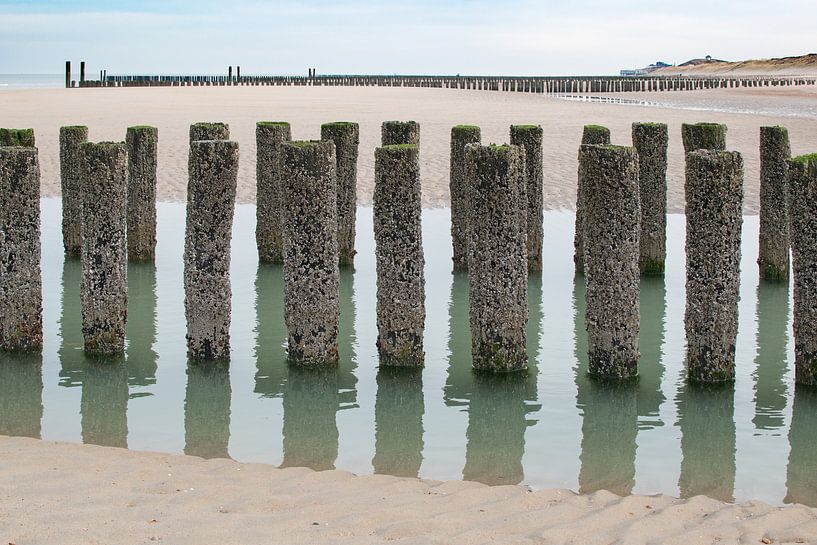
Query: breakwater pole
x=714 y=200
x=650 y=141
x=311 y=277
x=497 y=280
x=209 y=131
x=346 y=137
x=269 y=138
x=104 y=284
x=67 y=74
x=802 y=181
x=142 y=144
x=612 y=225
x=400 y=132
x=211 y=189
x=529 y=138
x=773 y=254
x=461 y=136
x=71 y=169
x=591 y=135
x=399 y=252
x=711 y=136
x=21 y=297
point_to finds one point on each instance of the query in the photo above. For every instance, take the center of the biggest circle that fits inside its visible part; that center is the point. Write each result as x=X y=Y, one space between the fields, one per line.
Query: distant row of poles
x=306 y=204
x=526 y=84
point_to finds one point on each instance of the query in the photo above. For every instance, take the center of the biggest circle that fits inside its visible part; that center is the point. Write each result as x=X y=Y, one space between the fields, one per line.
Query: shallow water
x=550 y=428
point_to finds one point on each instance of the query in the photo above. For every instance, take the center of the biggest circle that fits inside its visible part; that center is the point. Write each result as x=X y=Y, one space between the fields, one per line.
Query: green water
x=550 y=427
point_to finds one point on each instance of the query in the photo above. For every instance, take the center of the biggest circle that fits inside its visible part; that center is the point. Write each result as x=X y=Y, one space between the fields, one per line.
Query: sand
x=108 y=112
x=65 y=494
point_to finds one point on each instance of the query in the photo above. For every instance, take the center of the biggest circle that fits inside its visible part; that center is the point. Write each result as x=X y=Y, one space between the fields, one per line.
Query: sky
x=514 y=37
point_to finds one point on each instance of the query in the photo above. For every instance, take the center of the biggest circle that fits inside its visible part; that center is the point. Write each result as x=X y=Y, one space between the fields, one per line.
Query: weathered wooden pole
x=529 y=137
x=104 y=285
x=714 y=199
x=211 y=189
x=209 y=131
x=498 y=258
x=81 y=72
x=346 y=137
x=612 y=229
x=21 y=323
x=591 y=135
x=67 y=74
x=142 y=144
x=399 y=252
x=802 y=182
x=311 y=278
x=773 y=254
x=711 y=136
x=650 y=141
x=400 y=132
x=461 y=136
x=270 y=137
x=71 y=172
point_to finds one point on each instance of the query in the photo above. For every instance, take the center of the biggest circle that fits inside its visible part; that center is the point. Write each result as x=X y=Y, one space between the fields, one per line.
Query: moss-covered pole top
x=17 y=137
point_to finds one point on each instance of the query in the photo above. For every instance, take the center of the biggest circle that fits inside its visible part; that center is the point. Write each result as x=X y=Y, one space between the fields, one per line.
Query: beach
x=108 y=112
x=59 y=492
x=62 y=493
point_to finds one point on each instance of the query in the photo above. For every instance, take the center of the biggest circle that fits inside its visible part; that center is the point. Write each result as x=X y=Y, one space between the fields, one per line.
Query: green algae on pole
x=142 y=144
x=270 y=137
x=104 y=286
x=400 y=132
x=399 y=253
x=21 y=323
x=211 y=189
x=461 y=136
x=650 y=141
x=346 y=136
x=498 y=260
x=612 y=229
x=591 y=135
x=71 y=167
x=529 y=137
x=711 y=136
x=17 y=137
x=802 y=182
x=773 y=251
x=311 y=274
x=714 y=200
x=209 y=131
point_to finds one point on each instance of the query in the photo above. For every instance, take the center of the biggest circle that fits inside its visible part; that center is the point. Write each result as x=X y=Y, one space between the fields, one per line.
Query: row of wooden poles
x=526 y=84
x=306 y=220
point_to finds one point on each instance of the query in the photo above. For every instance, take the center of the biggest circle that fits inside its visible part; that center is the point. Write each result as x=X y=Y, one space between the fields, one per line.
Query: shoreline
x=52 y=495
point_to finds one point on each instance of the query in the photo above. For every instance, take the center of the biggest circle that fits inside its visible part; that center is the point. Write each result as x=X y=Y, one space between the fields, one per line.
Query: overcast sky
x=548 y=37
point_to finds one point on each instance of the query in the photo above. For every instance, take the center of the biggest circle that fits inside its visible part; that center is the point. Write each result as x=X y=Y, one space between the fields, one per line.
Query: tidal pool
x=551 y=427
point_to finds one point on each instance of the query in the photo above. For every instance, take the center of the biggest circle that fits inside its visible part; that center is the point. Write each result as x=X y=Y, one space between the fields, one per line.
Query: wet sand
x=108 y=112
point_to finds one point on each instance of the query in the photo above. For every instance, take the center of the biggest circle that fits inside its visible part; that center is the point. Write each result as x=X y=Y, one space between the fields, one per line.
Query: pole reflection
x=207 y=410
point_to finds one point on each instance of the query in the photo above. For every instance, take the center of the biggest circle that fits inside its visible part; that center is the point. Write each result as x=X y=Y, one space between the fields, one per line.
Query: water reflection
x=650 y=397
x=104 y=403
x=71 y=354
x=609 y=430
x=310 y=428
x=270 y=331
x=801 y=476
x=21 y=394
x=498 y=405
x=771 y=361
x=207 y=410
x=347 y=379
x=141 y=327
x=706 y=417
x=398 y=414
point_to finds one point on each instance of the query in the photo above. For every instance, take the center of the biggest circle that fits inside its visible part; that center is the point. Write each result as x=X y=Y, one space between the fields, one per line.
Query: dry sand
x=65 y=494
x=108 y=112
